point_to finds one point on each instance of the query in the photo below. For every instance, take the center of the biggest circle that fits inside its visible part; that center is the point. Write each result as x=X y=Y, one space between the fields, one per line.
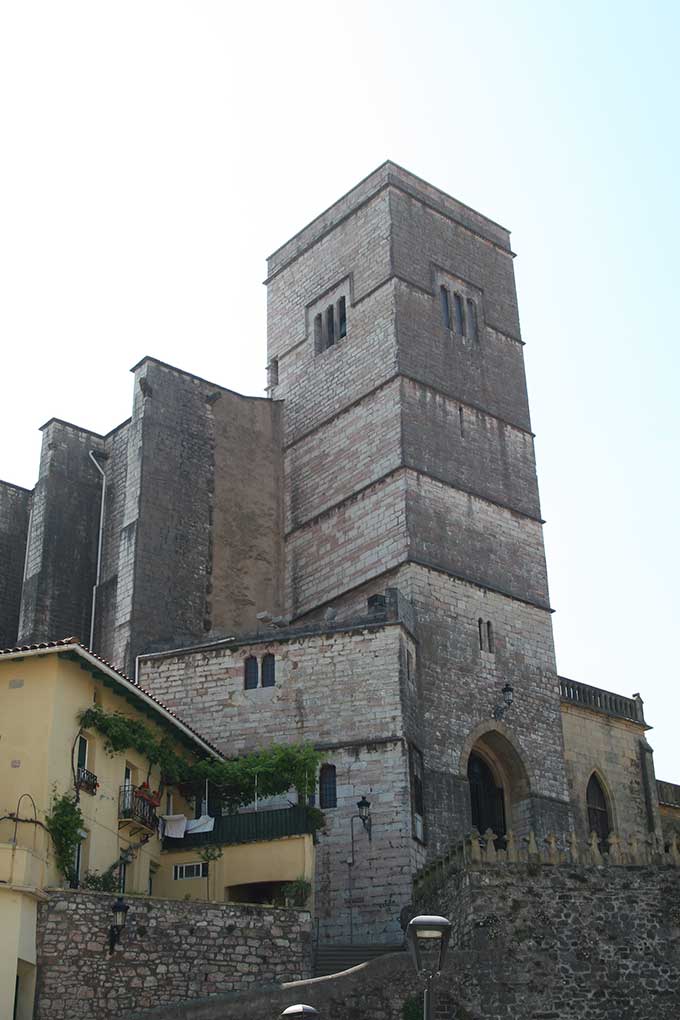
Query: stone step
x=331 y=959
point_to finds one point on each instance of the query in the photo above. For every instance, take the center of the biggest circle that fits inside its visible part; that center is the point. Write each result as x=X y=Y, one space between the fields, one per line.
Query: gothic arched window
x=598 y=813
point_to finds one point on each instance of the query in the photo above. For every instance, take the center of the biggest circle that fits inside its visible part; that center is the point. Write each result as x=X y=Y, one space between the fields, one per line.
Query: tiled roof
x=75 y=645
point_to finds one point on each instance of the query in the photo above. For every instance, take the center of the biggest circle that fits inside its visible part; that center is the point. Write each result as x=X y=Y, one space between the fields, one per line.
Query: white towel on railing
x=203 y=824
x=175 y=825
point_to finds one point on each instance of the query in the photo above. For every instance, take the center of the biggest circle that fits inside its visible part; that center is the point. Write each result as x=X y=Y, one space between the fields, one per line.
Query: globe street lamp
x=428 y=939
x=300 y=1011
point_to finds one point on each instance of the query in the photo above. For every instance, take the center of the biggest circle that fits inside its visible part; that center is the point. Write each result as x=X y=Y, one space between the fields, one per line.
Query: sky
x=154 y=153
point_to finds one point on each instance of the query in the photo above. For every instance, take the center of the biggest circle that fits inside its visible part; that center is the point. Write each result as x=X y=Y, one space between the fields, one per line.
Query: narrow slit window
x=328 y=789
x=330 y=326
x=274 y=372
x=250 y=673
x=472 y=319
x=318 y=333
x=489 y=637
x=446 y=306
x=417 y=793
x=459 y=310
x=268 y=671
x=342 y=318
x=480 y=628
x=461 y=421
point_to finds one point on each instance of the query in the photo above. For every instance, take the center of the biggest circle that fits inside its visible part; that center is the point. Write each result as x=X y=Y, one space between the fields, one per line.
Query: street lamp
x=364 y=807
x=428 y=934
x=300 y=1010
x=120 y=909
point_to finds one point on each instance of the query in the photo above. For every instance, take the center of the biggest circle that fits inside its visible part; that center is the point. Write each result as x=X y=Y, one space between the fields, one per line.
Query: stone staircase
x=331 y=959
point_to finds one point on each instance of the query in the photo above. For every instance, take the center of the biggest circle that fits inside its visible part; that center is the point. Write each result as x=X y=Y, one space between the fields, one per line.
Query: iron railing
x=134 y=806
x=249 y=827
x=601 y=701
x=87 y=780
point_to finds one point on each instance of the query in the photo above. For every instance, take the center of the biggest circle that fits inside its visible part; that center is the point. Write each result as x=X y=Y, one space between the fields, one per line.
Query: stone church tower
x=394 y=343
x=356 y=561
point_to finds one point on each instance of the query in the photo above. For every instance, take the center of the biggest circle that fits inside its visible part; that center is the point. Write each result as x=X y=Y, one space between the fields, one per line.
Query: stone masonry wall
x=15 y=504
x=62 y=543
x=536 y=943
x=343 y=691
x=595 y=742
x=170 y=951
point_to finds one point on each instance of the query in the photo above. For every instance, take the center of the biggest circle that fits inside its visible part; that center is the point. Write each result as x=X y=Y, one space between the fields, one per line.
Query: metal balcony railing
x=602 y=701
x=87 y=780
x=134 y=806
x=249 y=827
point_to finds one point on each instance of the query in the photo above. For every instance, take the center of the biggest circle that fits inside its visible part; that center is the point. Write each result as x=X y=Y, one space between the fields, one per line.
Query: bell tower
x=394 y=343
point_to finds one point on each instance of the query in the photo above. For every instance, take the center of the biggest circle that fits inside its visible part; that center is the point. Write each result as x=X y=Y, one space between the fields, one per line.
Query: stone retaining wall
x=170 y=951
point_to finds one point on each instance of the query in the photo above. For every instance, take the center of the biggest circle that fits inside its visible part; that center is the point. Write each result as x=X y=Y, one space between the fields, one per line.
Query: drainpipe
x=100 y=541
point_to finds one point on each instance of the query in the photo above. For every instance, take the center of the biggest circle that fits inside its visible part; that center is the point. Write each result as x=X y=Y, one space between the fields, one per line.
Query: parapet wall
x=170 y=951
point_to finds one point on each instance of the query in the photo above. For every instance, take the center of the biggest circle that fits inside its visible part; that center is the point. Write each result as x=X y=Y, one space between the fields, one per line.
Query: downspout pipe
x=100 y=542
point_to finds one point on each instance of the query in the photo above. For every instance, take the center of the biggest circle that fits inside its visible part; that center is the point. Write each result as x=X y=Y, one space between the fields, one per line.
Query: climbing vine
x=270 y=772
x=65 y=824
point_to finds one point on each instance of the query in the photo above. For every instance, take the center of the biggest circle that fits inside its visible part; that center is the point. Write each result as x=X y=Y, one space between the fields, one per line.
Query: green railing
x=251 y=827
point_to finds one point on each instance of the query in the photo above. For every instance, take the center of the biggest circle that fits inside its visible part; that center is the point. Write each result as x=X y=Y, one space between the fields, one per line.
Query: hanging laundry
x=203 y=824
x=175 y=825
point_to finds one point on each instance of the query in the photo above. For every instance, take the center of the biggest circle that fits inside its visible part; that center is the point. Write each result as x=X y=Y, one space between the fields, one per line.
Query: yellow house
x=48 y=760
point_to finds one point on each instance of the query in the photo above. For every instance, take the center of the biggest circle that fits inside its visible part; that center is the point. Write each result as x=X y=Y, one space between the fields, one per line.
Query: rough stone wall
x=115 y=466
x=15 y=505
x=62 y=543
x=170 y=951
x=344 y=692
x=596 y=742
x=538 y=943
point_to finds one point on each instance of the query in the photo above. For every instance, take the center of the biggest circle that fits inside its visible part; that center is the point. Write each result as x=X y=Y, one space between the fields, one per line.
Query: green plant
x=65 y=825
x=105 y=881
x=269 y=773
x=297 y=892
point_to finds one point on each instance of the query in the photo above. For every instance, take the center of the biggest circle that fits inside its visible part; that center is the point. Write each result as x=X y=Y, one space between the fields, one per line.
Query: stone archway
x=498 y=779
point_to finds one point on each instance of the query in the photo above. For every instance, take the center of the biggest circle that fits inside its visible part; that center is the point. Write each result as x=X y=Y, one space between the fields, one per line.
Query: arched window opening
x=472 y=319
x=446 y=307
x=330 y=326
x=598 y=813
x=268 y=671
x=318 y=333
x=250 y=673
x=486 y=797
x=342 y=318
x=489 y=637
x=328 y=792
x=459 y=310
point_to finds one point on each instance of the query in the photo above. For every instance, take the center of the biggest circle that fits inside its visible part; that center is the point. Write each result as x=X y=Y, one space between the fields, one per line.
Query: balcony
x=601 y=701
x=87 y=781
x=134 y=807
x=249 y=827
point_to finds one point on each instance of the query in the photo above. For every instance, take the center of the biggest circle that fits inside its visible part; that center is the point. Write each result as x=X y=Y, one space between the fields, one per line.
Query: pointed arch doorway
x=498 y=781
x=487 y=798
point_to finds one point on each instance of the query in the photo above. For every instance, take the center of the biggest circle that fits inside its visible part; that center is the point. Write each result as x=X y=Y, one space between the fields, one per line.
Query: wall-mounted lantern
x=508 y=693
x=120 y=909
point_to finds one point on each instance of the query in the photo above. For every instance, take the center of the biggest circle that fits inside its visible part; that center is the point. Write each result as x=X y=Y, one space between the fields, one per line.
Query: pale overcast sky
x=153 y=153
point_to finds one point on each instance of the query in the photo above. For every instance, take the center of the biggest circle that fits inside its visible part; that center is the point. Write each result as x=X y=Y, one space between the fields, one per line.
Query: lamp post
x=364 y=816
x=428 y=939
x=120 y=909
x=300 y=1010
